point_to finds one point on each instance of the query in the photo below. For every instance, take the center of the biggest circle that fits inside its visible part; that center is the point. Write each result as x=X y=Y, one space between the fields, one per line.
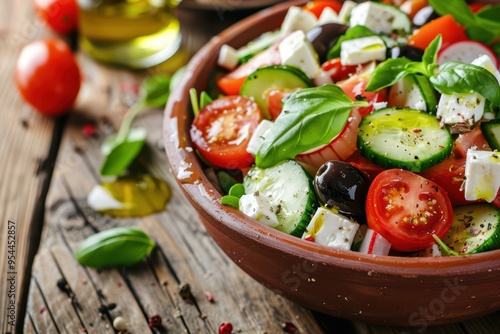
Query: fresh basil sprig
x=479 y=26
x=392 y=70
x=121 y=149
x=351 y=33
x=455 y=77
x=311 y=117
x=120 y=246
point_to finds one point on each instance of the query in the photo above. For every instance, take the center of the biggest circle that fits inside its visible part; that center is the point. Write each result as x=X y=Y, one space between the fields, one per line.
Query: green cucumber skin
x=273 y=77
x=253 y=182
x=472 y=218
x=491 y=131
x=376 y=126
x=428 y=93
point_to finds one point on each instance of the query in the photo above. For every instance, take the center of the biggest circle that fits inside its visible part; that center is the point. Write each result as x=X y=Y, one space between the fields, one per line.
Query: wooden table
x=48 y=169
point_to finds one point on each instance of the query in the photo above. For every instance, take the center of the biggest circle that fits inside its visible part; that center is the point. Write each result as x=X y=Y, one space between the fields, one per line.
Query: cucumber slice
x=260 y=82
x=475 y=229
x=401 y=22
x=290 y=191
x=491 y=131
x=414 y=91
x=403 y=138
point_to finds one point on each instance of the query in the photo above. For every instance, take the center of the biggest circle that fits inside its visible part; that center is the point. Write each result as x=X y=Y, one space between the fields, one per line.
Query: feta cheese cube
x=378 y=18
x=345 y=11
x=460 y=108
x=362 y=50
x=485 y=62
x=295 y=50
x=482 y=175
x=328 y=15
x=298 y=19
x=380 y=105
x=259 y=208
x=331 y=229
x=258 y=136
x=374 y=243
x=432 y=251
x=228 y=57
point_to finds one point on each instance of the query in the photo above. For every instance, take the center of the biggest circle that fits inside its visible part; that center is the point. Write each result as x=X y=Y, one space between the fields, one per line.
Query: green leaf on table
x=311 y=117
x=429 y=59
x=119 y=246
x=351 y=33
x=121 y=154
x=155 y=91
x=456 y=77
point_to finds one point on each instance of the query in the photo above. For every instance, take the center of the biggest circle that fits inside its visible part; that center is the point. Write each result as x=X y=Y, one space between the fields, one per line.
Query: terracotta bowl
x=376 y=289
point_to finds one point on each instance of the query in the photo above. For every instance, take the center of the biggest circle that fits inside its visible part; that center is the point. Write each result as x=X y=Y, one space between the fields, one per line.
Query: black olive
x=342 y=186
x=423 y=16
x=408 y=51
x=324 y=36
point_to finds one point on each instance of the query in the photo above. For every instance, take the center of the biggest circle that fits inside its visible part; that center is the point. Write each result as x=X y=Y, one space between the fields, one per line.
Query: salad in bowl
x=345 y=154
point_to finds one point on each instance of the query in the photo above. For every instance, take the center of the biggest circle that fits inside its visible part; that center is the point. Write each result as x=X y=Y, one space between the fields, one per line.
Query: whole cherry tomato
x=47 y=76
x=60 y=15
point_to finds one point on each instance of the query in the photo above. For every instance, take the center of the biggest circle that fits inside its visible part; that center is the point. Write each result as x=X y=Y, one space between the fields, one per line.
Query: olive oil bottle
x=132 y=33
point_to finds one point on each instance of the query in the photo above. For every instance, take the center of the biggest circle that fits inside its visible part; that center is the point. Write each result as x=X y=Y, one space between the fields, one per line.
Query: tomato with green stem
x=48 y=77
x=222 y=130
x=407 y=209
x=60 y=15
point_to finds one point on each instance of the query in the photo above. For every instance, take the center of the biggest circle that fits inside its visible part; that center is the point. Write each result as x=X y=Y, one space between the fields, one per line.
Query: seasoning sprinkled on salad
x=371 y=127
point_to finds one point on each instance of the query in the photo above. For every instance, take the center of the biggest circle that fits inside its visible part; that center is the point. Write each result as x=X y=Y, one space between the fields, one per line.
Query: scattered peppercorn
x=185 y=291
x=63 y=286
x=209 y=297
x=111 y=306
x=289 y=327
x=154 y=321
x=226 y=328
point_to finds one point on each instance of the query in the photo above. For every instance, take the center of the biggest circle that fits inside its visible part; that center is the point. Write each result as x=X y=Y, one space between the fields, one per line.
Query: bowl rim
x=206 y=199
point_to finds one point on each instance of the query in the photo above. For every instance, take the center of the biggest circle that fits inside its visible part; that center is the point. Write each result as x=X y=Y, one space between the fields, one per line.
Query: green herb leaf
x=429 y=59
x=193 y=96
x=120 y=246
x=351 y=33
x=237 y=190
x=455 y=77
x=311 y=117
x=204 y=99
x=483 y=27
x=231 y=201
x=388 y=73
x=155 y=91
x=226 y=181
x=120 y=155
x=444 y=248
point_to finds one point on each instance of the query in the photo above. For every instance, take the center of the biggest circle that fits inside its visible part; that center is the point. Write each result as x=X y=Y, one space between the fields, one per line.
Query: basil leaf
x=121 y=154
x=311 y=117
x=483 y=28
x=430 y=54
x=155 y=91
x=455 y=77
x=351 y=33
x=120 y=246
x=388 y=73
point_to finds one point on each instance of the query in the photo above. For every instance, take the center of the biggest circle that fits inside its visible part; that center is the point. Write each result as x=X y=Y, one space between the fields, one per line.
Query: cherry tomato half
x=222 y=130
x=316 y=6
x=47 y=76
x=407 y=209
x=60 y=15
x=355 y=86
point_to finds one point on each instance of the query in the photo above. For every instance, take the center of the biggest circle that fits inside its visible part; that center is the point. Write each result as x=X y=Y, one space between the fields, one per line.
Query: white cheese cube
x=345 y=11
x=380 y=105
x=432 y=251
x=298 y=19
x=362 y=50
x=485 y=62
x=374 y=243
x=295 y=50
x=328 y=15
x=331 y=229
x=259 y=208
x=228 y=57
x=460 y=108
x=258 y=136
x=378 y=18
x=482 y=175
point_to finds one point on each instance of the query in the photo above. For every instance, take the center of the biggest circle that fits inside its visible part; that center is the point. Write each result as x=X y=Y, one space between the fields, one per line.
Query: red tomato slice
x=338 y=72
x=231 y=83
x=355 y=86
x=316 y=6
x=274 y=102
x=407 y=210
x=451 y=31
x=222 y=130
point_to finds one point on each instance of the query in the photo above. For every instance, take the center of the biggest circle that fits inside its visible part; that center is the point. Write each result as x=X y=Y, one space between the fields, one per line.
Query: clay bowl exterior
x=376 y=289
